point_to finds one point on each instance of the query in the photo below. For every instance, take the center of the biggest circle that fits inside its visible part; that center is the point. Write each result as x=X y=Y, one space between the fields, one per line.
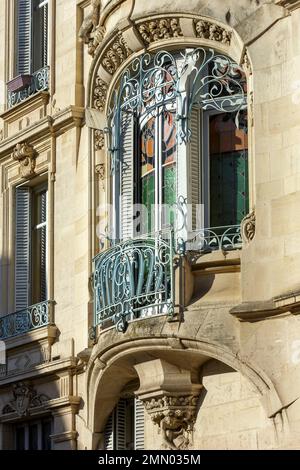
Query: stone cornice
x=49 y=368
x=288 y=4
x=57 y=124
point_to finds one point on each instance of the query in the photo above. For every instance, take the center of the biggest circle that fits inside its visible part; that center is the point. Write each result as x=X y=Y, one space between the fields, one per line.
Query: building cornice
x=72 y=116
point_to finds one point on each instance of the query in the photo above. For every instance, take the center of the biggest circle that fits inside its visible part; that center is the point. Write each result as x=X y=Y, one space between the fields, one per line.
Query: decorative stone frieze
x=24 y=399
x=212 y=31
x=175 y=416
x=100 y=94
x=25 y=154
x=99 y=139
x=91 y=33
x=156 y=30
x=115 y=55
x=248 y=227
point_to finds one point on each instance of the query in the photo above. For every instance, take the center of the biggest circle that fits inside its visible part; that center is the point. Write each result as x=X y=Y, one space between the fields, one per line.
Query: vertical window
x=31 y=35
x=31 y=246
x=33 y=435
x=124 y=429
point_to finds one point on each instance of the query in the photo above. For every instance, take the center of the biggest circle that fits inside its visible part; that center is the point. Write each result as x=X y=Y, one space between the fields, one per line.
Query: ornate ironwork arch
x=197 y=76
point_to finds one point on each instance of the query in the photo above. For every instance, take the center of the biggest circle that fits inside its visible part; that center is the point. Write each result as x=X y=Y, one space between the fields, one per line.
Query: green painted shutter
x=127 y=144
x=23 y=248
x=139 y=425
x=24 y=32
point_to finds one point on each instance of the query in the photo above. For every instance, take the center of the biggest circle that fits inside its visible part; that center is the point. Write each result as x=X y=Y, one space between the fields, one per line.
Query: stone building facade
x=112 y=337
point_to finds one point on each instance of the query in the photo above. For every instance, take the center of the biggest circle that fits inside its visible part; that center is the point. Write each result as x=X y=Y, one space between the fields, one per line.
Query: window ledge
x=223 y=261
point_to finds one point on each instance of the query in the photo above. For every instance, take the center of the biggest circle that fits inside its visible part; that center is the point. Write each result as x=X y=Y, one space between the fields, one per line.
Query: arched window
x=179 y=145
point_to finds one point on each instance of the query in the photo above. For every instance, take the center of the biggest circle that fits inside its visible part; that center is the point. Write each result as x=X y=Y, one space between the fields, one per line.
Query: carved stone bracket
x=91 y=33
x=115 y=55
x=170 y=398
x=156 y=30
x=208 y=30
x=25 y=154
x=100 y=94
x=99 y=139
x=24 y=399
x=248 y=227
x=175 y=416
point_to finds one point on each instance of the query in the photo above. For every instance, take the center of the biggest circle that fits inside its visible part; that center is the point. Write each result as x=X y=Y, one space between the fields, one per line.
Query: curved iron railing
x=39 y=82
x=133 y=279
x=26 y=320
x=224 y=238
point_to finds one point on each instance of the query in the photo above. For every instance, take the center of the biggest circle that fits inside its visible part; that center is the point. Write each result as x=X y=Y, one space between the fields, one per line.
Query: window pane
x=169 y=148
x=229 y=201
x=169 y=138
x=46 y=432
x=20 y=438
x=148 y=170
x=33 y=437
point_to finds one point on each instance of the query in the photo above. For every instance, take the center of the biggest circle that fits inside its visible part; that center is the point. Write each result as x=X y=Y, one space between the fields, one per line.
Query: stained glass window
x=148 y=165
x=229 y=199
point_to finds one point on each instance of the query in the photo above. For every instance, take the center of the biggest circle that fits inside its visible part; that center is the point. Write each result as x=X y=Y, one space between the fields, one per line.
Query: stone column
x=170 y=397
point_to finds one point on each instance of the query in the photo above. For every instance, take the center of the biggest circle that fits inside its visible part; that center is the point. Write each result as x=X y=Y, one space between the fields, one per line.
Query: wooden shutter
x=127 y=146
x=23 y=248
x=195 y=163
x=24 y=33
x=139 y=425
x=109 y=433
x=121 y=425
x=44 y=33
x=43 y=247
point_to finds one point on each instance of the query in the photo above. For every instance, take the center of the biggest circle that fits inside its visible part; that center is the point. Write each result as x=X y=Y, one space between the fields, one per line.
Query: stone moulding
x=25 y=154
x=24 y=399
x=175 y=415
x=115 y=54
x=209 y=30
x=158 y=29
x=288 y=4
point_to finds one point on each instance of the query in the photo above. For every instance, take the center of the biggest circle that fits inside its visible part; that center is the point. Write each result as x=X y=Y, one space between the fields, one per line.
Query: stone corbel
x=170 y=398
x=25 y=154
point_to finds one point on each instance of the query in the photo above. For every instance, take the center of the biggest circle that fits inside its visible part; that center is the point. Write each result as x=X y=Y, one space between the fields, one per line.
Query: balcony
x=27 y=320
x=134 y=279
x=22 y=87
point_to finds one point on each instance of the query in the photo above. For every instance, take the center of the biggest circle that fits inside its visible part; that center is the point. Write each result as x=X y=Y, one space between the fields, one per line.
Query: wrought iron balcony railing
x=26 y=320
x=224 y=238
x=39 y=81
x=134 y=279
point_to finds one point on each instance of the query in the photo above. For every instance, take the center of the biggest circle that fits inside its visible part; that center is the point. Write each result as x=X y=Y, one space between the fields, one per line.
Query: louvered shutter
x=24 y=33
x=195 y=164
x=109 y=433
x=127 y=146
x=23 y=247
x=121 y=425
x=43 y=247
x=44 y=33
x=139 y=424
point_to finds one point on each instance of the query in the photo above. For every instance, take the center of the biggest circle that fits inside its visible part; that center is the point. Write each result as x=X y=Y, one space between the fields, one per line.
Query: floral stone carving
x=208 y=30
x=25 y=154
x=24 y=399
x=248 y=227
x=157 y=30
x=115 y=55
